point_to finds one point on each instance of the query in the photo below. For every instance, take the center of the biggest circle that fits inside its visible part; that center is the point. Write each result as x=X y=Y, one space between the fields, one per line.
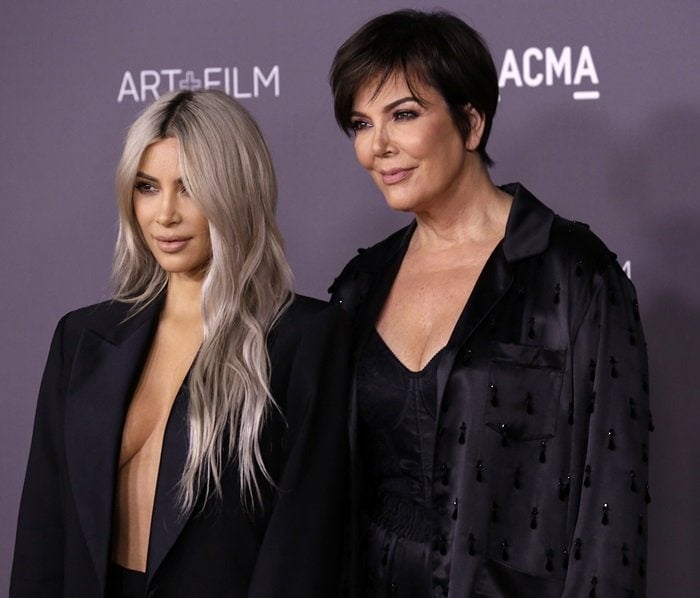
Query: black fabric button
x=516 y=478
x=591 y=370
x=444 y=474
x=564 y=487
x=528 y=404
x=505 y=434
x=479 y=471
x=633 y=483
x=594 y=583
x=613 y=368
x=466 y=357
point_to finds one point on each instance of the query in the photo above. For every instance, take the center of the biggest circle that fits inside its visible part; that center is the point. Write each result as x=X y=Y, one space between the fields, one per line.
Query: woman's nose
x=381 y=141
x=167 y=209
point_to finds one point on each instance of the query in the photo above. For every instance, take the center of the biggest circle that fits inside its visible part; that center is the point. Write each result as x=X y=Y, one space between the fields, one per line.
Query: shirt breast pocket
x=525 y=384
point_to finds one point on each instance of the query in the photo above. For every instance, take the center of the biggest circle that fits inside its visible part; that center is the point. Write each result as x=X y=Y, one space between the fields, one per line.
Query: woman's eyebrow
x=390 y=106
x=148 y=177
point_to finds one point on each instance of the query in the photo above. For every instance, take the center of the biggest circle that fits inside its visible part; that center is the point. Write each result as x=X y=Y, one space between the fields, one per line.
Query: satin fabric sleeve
x=607 y=554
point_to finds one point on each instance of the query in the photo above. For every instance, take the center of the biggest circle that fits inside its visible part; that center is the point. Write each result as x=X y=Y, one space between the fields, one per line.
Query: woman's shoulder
x=308 y=337
x=575 y=248
x=307 y=316
x=576 y=239
x=351 y=285
x=535 y=230
x=104 y=316
x=371 y=259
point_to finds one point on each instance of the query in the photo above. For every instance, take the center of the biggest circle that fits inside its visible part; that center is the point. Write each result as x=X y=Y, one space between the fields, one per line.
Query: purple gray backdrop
x=599 y=117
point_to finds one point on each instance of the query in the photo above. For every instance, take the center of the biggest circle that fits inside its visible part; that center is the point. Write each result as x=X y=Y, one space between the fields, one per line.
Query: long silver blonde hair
x=226 y=168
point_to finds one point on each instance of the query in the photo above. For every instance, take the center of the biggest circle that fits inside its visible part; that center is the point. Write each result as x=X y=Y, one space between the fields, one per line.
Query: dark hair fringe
x=171 y=109
x=432 y=48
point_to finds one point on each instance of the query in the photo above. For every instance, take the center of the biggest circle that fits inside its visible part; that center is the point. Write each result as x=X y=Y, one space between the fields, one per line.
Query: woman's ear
x=476 y=127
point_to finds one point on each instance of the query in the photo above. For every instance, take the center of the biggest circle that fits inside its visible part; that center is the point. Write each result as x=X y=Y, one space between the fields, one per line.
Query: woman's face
x=412 y=149
x=172 y=223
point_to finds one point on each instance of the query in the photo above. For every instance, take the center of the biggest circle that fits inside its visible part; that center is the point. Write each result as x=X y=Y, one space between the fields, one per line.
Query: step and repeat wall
x=599 y=117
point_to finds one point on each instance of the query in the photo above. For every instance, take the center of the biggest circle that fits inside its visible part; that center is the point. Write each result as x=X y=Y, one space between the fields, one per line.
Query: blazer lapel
x=527 y=234
x=493 y=282
x=168 y=519
x=107 y=364
x=389 y=262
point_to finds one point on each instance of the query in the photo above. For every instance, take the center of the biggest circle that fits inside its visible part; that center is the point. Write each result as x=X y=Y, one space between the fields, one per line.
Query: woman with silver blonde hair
x=189 y=434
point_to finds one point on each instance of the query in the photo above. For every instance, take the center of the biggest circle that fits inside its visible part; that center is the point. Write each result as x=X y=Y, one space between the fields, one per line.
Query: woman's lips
x=171 y=244
x=395 y=175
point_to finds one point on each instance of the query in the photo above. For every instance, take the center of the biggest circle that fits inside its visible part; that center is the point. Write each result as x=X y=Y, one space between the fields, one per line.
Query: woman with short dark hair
x=500 y=414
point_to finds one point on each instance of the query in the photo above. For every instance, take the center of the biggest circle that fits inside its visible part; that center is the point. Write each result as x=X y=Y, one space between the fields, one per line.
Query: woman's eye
x=144 y=187
x=405 y=115
x=358 y=125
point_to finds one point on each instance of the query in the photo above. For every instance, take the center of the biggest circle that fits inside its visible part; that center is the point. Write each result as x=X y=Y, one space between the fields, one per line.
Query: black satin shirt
x=539 y=476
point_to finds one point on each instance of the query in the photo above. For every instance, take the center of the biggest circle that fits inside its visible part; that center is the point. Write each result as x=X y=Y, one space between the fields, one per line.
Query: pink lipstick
x=394 y=175
x=171 y=244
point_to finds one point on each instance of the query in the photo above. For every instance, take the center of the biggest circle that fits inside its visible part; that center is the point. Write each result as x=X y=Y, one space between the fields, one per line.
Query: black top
x=125 y=583
x=539 y=467
x=396 y=409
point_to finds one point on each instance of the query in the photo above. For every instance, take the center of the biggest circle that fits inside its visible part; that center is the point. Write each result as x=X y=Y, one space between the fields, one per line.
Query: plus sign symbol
x=189 y=82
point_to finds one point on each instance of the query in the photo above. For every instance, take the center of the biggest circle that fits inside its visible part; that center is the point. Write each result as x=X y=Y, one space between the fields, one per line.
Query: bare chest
x=164 y=371
x=422 y=309
x=168 y=362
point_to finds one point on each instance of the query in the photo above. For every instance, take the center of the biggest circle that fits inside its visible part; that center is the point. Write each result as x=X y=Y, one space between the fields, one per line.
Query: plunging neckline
x=389 y=351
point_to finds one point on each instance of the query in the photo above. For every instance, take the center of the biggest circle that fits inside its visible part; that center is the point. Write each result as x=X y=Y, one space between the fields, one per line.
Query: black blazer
x=290 y=547
x=540 y=455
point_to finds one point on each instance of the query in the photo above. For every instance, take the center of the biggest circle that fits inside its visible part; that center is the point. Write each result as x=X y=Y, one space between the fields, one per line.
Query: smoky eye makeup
x=144 y=186
x=358 y=124
x=405 y=114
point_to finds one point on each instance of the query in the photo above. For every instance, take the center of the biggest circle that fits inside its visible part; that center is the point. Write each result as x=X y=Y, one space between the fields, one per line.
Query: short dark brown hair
x=434 y=48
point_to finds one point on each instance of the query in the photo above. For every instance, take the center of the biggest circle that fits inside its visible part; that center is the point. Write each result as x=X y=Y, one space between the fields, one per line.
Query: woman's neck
x=183 y=298
x=476 y=215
